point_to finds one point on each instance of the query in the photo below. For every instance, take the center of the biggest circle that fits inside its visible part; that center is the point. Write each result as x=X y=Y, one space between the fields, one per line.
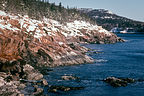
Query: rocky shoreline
x=27 y=45
x=11 y=83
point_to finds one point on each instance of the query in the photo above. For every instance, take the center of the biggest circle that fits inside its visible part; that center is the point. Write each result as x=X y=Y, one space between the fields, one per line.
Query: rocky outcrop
x=47 y=42
x=69 y=77
x=12 y=82
x=8 y=87
x=56 y=89
x=38 y=92
x=26 y=44
x=118 y=82
x=31 y=73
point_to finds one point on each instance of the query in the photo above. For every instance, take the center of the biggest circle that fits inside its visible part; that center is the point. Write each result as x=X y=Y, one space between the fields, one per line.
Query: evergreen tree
x=60 y=7
x=52 y=7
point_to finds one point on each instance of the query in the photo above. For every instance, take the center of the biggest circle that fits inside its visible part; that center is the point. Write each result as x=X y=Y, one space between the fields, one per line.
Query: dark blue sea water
x=119 y=60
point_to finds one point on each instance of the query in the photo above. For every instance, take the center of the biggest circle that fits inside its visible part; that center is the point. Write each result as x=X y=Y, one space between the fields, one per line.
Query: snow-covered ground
x=46 y=26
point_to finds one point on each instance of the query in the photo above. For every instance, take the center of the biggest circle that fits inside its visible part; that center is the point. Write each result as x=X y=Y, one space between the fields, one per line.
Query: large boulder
x=31 y=73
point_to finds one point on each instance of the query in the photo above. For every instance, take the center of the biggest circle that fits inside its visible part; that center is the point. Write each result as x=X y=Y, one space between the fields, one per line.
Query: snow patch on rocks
x=49 y=27
x=2 y=13
x=73 y=28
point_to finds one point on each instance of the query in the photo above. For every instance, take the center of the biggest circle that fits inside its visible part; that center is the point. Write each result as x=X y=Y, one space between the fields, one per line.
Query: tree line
x=38 y=9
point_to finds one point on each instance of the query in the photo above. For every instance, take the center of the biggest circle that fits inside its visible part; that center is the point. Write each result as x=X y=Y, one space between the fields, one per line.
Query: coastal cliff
x=47 y=42
x=27 y=43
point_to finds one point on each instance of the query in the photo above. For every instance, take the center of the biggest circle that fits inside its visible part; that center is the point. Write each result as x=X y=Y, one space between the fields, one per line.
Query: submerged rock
x=63 y=88
x=118 y=82
x=44 y=82
x=93 y=52
x=45 y=71
x=38 y=92
x=69 y=77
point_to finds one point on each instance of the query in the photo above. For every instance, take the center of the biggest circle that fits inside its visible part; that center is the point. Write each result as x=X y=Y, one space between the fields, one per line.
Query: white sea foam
x=100 y=60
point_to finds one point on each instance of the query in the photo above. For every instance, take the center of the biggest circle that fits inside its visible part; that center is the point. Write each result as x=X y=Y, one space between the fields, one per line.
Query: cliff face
x=25 y=42
x=47 y=42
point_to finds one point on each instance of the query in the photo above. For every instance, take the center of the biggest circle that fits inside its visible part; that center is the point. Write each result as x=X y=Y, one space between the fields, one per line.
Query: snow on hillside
x=58 y=43
x=74 y=27
x=46 y=26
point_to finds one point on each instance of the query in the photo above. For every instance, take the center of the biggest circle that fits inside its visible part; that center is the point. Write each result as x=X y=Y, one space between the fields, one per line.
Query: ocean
x=118 y=60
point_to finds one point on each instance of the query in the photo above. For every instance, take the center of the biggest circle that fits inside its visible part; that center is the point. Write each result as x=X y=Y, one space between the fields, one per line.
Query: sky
x=133 y=9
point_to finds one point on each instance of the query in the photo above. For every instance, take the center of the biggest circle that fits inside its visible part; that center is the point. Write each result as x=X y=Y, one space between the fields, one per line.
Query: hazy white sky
x=133 y=9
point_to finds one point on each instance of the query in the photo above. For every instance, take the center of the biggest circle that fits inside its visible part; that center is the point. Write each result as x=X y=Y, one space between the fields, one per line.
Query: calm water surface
x=119 y=60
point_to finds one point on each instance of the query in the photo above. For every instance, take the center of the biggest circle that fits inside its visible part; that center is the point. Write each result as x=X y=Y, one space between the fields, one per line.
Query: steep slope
x=109 y=20
x=48 y=42
x=27 y=41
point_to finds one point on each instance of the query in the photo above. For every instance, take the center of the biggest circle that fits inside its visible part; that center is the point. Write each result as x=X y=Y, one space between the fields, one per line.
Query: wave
x=100 y=60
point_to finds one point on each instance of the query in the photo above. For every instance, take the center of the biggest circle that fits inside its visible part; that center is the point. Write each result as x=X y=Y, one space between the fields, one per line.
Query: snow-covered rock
x=48 y=27
x=48 y=40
